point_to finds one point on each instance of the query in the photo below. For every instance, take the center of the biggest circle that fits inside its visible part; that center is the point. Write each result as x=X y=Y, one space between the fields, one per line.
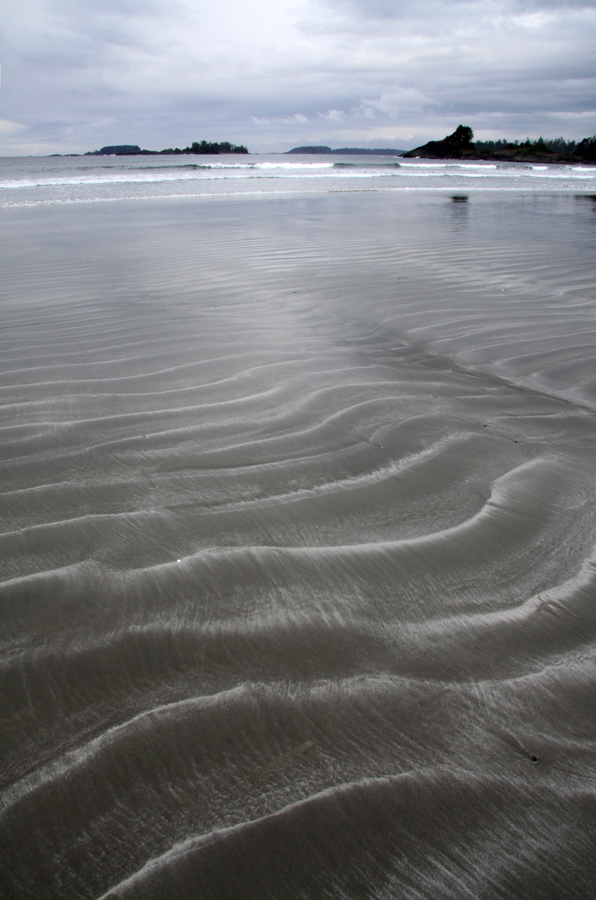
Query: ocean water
x=298 y=528
x=32 y=181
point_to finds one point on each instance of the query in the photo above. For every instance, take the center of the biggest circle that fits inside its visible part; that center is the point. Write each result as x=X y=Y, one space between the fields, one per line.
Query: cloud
x=427 y=9
x=295 y=119
x=9 y=128
x=79 y=75
x=333 y=115
x=392 y=103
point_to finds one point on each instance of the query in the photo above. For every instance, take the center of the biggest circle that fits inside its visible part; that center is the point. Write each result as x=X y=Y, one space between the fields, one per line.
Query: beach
x=297 y=493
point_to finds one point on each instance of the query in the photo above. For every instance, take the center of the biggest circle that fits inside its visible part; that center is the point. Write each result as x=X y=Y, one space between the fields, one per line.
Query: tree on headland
x=463 y=134
x=587 y=148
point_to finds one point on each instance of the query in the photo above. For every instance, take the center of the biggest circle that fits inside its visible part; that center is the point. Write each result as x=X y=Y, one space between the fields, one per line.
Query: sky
x=79 y=74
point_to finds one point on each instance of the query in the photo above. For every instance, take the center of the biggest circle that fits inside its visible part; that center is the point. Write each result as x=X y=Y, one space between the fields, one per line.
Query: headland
x=460 y=145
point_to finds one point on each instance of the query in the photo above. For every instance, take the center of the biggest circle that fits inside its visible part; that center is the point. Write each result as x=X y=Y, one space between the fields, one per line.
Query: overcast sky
x=273 y=74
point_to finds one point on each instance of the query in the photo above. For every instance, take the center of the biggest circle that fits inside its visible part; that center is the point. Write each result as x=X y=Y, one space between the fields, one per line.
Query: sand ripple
x=297 y=549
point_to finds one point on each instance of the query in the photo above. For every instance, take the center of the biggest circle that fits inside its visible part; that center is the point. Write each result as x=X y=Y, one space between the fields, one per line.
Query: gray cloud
x=400 y=9
x=79 y=75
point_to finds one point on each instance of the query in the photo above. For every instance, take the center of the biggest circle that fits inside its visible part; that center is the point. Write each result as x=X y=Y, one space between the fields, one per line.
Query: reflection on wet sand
x=298 y=590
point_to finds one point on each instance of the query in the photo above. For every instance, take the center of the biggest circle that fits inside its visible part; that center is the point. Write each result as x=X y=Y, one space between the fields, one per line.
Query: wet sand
x=298 y=594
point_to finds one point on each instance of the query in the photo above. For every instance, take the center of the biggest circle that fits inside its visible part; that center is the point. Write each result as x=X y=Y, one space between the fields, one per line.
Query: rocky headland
x=460 y=145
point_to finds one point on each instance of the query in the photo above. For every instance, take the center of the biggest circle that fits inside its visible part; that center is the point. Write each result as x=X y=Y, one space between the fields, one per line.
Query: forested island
x=460 y=145
x=197 y=147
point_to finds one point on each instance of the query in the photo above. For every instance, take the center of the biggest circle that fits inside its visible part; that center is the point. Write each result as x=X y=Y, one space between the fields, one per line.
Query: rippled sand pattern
x=298 y=595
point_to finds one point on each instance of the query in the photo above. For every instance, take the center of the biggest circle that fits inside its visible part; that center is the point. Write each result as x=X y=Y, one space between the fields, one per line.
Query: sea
x=31 y=181
x=297 y=529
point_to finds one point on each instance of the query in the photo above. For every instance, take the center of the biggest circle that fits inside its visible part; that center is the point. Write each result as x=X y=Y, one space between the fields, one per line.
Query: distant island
x=460 y=145
x=360 y=151
x=198 y=147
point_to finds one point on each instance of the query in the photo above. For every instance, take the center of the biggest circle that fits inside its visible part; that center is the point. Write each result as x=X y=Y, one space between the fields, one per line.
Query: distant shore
x=460 y=146
x=196 y=148
x=346 y=151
